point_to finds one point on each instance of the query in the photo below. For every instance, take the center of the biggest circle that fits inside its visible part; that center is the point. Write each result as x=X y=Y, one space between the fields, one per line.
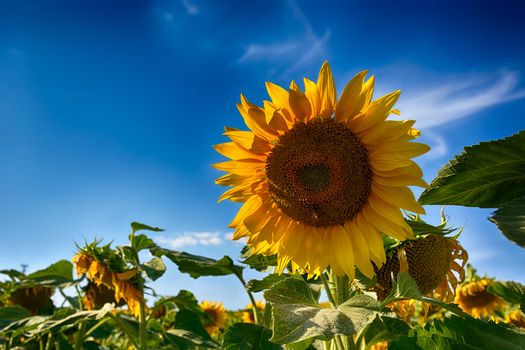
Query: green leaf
x=140 y=242
x=422 y=228
x=12 y=273
x=484 y=175
x=267 y=282
x=510 y=291
x=154 y=268
x=405 y=287
x=13 y=313
x=197 y=266
x=184 y=339
x=452 y=333
x=382 y=329
x=58 y=273
x=191 y=321
x=248 y=336
x=297 y=315
x=261 y=262
x=137 y=226
x=510 y=219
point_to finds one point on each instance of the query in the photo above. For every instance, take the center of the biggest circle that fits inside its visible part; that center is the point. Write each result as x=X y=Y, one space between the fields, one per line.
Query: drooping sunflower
x=97 y=295
x=322 y=178
x=33 y=298
x=474 y=298
x=119 y=282
x=217 y=315
x=435 y=262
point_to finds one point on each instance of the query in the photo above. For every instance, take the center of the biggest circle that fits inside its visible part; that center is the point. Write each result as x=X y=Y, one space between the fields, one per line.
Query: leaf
x=191 y=321
x=154 y=268
x=13 y=313
x=510 y=219
x=140 y=242
x=12 y=273
x=484 y=175
x=297 y=315
x=382 y=329
x=421 y=227
x=248 y=336
x=137 y=226
x=267 y=282
x=184 y=339
x=510 y=291
x=405 y=287
x=58 y=273
x=452 y=332
x=261 y=262
x=197 y=266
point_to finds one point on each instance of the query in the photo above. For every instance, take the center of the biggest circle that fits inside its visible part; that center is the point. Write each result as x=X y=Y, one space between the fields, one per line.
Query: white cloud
x=295 y=53
x=438 y=104
x=190 y=7
x=191 y=239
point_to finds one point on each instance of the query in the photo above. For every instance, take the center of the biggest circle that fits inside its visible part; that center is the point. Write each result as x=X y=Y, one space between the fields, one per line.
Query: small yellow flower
x=380 y=346
x=516 y=318
x=475 y=299
x=217 y=315
x=247 y=314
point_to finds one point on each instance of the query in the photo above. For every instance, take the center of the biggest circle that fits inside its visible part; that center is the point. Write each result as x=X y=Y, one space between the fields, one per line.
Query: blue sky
x=108 y=111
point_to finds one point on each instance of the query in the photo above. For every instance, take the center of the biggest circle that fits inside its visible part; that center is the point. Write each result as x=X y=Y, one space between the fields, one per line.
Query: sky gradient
x=108 y=111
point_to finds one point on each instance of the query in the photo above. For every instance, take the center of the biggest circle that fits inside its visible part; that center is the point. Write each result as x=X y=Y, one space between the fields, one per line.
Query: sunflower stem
x=342 y=285
x=328 y=290
x=125 y=329
x=256 y=316
x=143 y=324
x=79 y=340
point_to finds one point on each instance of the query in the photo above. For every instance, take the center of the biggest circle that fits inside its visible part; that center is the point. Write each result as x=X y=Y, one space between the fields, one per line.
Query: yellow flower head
x=321 y=179
x=516 y=318
x=475 y=299
x=96 y=296
x=247 y=314
x=432 y=261
x=217 y=315
x=32 y=298
x=119 y=282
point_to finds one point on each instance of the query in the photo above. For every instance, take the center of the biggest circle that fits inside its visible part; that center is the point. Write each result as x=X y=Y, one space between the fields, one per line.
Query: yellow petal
x=352 y=100
x=312 y=94
x=326 y=87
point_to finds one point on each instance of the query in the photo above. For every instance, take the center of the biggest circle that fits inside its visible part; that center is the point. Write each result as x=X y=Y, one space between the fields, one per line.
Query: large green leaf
x=510 y=219
x=382 y=329
x=184 y=339
x=484 y=175
x=197 y=266
x=297 y=315
x=260 y=262
x=267 y=282
x=13 y=313
x=248 y=336
x=140 y=242
x=58 y=273
x=137 y=226
x=461 y=333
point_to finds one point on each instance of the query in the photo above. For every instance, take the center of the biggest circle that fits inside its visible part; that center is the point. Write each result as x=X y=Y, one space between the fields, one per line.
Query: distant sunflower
x=119 y=282
x=475 y=299
x=435 y=262
x=321 y=179
x=247 y=314
x=217 y=315
x=33 y=298
x=516 y=318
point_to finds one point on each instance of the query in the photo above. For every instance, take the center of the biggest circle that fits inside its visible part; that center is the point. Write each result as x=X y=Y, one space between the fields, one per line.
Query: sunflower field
x=328 y=216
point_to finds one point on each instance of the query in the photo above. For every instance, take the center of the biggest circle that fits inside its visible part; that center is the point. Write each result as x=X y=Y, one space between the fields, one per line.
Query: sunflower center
x=318 y=173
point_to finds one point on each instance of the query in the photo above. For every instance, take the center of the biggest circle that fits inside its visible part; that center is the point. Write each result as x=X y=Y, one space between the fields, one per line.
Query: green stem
x=328 y=291
x=342 y=288
x=267 y=315
x=143 y=329
x=256 y=316
x=95 y=327
x=79 y=340
x=125 y=329
x=48 y=343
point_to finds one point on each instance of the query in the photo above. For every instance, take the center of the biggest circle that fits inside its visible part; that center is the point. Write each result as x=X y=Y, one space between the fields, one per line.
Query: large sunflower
x=474 y=298
x=321 y=179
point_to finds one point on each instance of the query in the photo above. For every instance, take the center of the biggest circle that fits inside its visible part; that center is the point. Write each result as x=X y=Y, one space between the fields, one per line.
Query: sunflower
x=247 y=314
x=321 y=179
x=516 y=318
x=475 y=299
x=217 y=316
x=97 y=295
x=435 y=262
x=34 y=298
x=119 y=282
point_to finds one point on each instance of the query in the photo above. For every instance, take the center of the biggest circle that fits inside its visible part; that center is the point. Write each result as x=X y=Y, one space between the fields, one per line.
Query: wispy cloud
x=190 y=7
x=191 y=239
x=458 y=98
x=294 y=53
